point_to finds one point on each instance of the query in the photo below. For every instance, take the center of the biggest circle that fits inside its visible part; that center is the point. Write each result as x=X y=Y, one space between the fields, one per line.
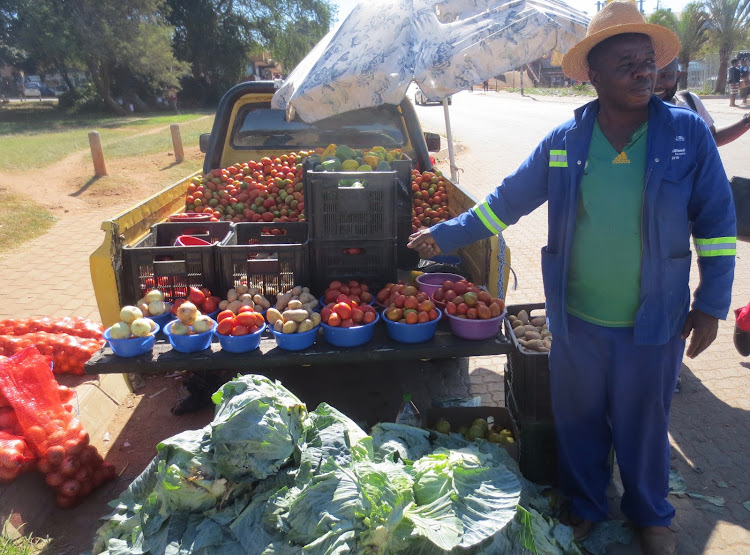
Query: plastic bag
x=69 y=353
x=15 y=457
x=72 y=467
x=75 y=326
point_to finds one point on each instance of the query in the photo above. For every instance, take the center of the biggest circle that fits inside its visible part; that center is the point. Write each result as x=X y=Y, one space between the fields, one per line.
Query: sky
x=586 y=6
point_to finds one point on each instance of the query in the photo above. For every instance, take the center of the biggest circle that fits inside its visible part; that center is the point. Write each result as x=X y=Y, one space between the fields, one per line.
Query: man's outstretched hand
x=423 y=242
x=703 y=327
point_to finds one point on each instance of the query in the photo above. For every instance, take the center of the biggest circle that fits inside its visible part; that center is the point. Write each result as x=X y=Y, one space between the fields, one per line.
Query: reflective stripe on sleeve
x=490 y=221
x=719 y=246
x=558 y=158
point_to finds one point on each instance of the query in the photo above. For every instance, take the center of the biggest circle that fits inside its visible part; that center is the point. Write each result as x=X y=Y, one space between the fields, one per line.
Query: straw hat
x=617 y=18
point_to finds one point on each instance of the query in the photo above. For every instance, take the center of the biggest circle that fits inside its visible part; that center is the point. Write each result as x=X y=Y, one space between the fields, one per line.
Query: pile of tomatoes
x=246 y=321
x=266 y=190
x=430 y=199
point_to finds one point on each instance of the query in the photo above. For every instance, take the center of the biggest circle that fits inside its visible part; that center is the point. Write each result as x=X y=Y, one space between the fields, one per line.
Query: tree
x=691 y=27
x=728 y=29
x=217 y=36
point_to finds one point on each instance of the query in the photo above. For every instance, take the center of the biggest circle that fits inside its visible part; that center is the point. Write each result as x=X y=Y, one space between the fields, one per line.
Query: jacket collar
x=657 y=110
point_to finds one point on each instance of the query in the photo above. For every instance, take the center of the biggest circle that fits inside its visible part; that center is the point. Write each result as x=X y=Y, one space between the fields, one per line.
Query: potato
x=223 y=305
x=534 y=344
x=283 y=301
x=307 y=298
x=299 y=315
x=296 y=290
x=538 y=321
x=278 y=326
x=529 y=327
x=516 y=323
x=315 y=317
x=545 y=334
x=512 y=318
x=289 y=327
x=294 y=304
x=532 y=335
x=305 y=325
x=311 y=306
x=232 y=295
x=241 y=289
x=261 y=300
x=523 y=316
x=272 y=315
x=245 y=297
x=543 y=349
x=234 y=306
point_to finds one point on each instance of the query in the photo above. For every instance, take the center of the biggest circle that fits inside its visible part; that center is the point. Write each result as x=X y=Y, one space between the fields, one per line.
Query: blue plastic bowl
x=134 y=346
x=296 y=341
x=241 y=343
x=162 y=319
x=350 y=337
x=322 y=305
x=213 y=314
x=412 y=333
x=190 y=343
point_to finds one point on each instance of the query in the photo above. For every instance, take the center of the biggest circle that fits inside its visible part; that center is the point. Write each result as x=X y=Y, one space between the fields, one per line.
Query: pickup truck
x=245 y=128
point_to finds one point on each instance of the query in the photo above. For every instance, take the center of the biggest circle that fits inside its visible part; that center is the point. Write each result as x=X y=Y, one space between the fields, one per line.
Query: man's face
x=666 y=82
x=624 y=75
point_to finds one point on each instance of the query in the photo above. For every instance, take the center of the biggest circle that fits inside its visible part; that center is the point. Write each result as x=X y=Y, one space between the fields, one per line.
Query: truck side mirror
x=433 y=141
x=203 y=142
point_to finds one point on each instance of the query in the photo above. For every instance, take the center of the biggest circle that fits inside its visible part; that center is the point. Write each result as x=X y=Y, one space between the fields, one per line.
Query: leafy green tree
x=217 y=37
x=692 y=29
x=728 y=29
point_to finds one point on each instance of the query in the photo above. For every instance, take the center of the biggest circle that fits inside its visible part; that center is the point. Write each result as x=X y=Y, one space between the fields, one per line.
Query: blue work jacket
x=686 y=191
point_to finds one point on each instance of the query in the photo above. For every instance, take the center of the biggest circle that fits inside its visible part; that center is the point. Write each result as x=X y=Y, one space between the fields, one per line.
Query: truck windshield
x=259 y=127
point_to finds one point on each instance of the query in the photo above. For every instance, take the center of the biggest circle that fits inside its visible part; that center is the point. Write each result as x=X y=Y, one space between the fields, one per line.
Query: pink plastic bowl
x=475 y=329
x=190 y=241
x=429 y=283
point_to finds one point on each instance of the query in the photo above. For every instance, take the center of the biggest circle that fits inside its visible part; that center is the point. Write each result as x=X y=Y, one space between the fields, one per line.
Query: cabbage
x=257 y=426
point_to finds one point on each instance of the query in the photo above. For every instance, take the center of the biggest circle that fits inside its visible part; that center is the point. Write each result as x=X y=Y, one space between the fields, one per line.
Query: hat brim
x=665 y=42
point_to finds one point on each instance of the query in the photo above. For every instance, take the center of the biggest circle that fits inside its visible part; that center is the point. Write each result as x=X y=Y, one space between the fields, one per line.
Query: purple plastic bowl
x=475 y=329
x=429 y=283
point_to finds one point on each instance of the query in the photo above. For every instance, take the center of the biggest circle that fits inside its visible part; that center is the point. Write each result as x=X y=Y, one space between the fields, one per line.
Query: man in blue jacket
x=627 y=181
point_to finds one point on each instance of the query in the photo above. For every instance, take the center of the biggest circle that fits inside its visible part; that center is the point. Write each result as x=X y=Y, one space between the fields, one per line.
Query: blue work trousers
x=606 y=390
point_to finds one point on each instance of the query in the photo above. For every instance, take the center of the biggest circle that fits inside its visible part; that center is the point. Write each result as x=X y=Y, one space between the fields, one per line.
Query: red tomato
x=246 y=319
x=246 y=308
x=369 y=317
x=240 y=330
x=224 y=314
x=343 y=310
x=225 y=326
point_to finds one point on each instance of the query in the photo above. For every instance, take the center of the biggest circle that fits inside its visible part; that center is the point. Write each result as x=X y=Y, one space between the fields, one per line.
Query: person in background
x=744 y=85
x=666 y=89
x=486 y=85
x=627 y=181
x=733 y=80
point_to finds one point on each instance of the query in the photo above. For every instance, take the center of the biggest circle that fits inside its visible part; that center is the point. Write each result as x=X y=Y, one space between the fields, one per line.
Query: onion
x=70 y=488
x=120 y=330
x=141 y=327
x=129 y=313
x=84 y=475
x=35 y=434
x=8 y=474
x=203 y=324
x=44 y=466
x=153 y=295
x=74 y=446
x=70 y=466
x=187 y=312
x=155 y=308
x=55 y=455
x=54 y=479
x=179 y=328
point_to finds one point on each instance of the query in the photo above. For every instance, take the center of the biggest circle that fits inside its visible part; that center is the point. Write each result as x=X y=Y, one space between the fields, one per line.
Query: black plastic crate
x=537 y=444
x=350 y=213
x=272 y=263
x=529 y=371
x=155 y=261
x=371 y=262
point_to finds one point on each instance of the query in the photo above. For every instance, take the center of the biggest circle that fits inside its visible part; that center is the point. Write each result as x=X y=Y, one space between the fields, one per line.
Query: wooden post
x=179 y=154
x=97 y=155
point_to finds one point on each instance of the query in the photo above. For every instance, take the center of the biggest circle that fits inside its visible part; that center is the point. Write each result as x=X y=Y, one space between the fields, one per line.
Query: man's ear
x=594 y=78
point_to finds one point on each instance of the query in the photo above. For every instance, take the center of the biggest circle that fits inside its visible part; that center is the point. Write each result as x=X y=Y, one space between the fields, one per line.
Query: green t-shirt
x=605 y=266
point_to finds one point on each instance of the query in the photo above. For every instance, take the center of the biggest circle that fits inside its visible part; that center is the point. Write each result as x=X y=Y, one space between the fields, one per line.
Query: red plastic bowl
x=189 y=217
x=190 y=241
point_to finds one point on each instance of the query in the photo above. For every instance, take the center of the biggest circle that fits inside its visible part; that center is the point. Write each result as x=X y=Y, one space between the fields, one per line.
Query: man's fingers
x=687 y=327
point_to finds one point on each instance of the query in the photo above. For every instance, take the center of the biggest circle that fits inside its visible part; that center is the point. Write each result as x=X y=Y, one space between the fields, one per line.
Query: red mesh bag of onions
x=71 y=466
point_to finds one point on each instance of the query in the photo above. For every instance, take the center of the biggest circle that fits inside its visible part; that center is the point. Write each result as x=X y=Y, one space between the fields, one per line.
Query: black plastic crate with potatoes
x=338 y=210
x=272 y=257
x=528 y=370
x=160 y=261
x=370 y=262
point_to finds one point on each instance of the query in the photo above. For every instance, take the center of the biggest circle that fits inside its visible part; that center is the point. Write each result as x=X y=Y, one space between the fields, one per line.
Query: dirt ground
x=67 y=187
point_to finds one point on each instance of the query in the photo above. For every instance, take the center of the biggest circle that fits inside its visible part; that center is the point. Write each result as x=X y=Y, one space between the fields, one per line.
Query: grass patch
x=35 y=136
x=21 y=220
x=13 y=543
x=158 y=142
x=575 y=90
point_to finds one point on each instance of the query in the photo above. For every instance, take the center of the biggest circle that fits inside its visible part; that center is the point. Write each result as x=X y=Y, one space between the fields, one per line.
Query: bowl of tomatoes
x=241 y=332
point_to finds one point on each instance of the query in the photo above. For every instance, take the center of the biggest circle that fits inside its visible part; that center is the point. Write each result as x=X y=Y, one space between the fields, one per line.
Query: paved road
x=710 y=425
